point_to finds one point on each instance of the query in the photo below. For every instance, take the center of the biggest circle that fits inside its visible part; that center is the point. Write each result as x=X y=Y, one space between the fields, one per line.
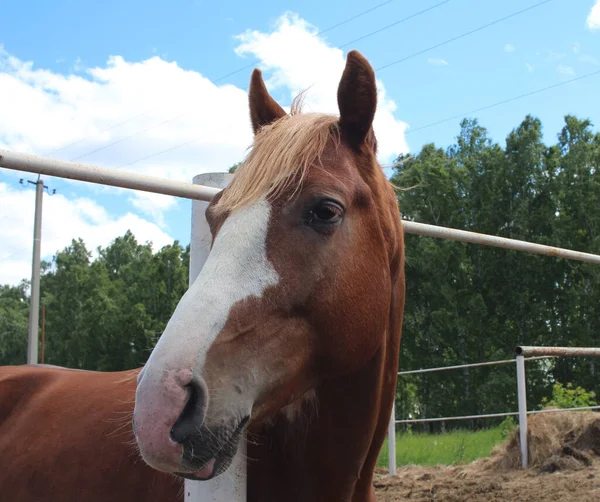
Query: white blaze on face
x=237 y=268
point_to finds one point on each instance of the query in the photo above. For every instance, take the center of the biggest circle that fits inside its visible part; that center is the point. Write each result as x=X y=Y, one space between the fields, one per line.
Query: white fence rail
x=463 y=366
x=123 y=179
x=521 y=352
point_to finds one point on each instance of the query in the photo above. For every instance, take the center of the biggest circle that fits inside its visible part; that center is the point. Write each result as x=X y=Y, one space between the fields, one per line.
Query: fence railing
x=123 y=179
x=521 y=352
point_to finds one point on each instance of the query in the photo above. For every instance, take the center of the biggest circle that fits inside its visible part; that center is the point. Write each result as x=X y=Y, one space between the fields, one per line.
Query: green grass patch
x=448 y=448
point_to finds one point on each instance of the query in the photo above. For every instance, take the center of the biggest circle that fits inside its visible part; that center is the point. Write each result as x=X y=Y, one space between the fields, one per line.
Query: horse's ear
x=357 y=101
x=263 y=108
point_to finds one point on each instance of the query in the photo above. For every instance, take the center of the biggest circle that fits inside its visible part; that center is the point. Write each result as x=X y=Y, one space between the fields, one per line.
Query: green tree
x=14 y=318
x=469 y=303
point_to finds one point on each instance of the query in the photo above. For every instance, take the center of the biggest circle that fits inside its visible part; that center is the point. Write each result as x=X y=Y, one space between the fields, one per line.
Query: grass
x=448 y=448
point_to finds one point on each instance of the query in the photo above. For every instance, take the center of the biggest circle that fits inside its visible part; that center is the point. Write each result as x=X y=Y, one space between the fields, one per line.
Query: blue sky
x=50 y=105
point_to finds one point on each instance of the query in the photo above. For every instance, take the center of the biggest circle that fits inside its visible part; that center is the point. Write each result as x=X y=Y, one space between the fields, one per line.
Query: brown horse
x=65 y=435
x=298 y=308
x=290 y=334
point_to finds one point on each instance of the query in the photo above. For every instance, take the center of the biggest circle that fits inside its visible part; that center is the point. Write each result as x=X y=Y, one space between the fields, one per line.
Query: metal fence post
x=392 y=442
x=231 y=485
x=522 y=399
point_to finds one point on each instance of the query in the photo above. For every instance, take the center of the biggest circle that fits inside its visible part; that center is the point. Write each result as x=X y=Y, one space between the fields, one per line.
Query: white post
x=392 y=442
x=231 y=485
x=201 y=238
x=522 y=398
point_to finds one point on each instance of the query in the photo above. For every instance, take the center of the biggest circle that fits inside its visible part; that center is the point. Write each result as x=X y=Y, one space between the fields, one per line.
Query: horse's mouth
x=205 y=467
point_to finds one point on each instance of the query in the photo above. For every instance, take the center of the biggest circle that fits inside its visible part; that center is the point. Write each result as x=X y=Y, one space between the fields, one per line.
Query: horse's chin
x=213 y=468
x=204 y=460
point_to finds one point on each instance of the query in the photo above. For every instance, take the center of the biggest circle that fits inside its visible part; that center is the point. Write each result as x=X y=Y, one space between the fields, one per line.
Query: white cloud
x=155 y=106
x=593 y=19
x=530 y=68
x=565 y=70
x=437 y=61
x=157 y=118
x=63 y=219
x=301 y=61
x=42 y=111
x=509 y=48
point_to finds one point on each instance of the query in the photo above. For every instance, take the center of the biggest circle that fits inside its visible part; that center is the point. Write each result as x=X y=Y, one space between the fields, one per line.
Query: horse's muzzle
x=168 y=410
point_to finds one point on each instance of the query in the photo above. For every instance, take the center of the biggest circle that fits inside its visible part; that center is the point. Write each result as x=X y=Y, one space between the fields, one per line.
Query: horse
x=289 y=337
x=65 y=435
x=291 y=332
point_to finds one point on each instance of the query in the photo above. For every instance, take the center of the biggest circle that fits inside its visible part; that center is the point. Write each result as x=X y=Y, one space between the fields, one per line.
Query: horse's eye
x=328 y=211
x=324 y=215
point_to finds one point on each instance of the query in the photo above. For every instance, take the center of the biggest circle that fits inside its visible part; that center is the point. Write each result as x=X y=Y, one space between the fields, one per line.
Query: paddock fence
x=232 y=488
x=123 y=179
x=521 y=353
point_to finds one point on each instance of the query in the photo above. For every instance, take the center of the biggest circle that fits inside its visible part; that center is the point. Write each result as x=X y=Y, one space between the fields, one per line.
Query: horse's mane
x=280 y=158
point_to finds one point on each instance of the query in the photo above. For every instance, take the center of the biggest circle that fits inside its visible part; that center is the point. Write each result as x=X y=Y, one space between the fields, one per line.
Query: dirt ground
x=564 y=451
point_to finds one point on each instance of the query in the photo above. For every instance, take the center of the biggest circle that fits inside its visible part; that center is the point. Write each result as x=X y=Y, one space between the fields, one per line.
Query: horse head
x=304 y=285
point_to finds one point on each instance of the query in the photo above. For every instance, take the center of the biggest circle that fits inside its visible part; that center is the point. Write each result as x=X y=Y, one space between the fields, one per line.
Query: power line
x=498 y=103
x=462 y=35
x=504 y=18
x=337 y=25
x=395 y=23
x=129 y=137
x=319 y=33
x=277 y=73
x=379 y=30
x=103 y=130
x=410 y=131
x=159 y=153
x=432 y=7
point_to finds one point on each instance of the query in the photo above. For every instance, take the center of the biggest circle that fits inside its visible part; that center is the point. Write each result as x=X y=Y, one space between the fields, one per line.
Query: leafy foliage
x=469 y=303
x=14 y=318
x=569 y=397
x=507 y=426
x=105 y=314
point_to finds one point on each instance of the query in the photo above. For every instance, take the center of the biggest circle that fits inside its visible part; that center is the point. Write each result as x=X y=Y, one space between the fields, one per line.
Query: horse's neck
x=327 y=450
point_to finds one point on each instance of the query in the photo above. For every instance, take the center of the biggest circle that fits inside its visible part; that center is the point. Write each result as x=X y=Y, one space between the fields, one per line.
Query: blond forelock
x=281 y=155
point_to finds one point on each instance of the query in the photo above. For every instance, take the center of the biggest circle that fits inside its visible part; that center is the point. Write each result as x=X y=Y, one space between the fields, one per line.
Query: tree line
x=469 y=303
x=465 y=303
x=104 y=314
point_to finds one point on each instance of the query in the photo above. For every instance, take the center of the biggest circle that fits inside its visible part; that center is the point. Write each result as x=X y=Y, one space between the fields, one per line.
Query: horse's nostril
x=192 y=416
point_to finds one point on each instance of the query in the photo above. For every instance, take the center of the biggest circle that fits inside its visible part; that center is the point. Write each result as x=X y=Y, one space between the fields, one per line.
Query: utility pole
x=34 y=300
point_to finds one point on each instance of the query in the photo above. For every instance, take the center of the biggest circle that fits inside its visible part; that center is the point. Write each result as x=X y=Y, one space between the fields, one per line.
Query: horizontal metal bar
x=494 y=415
x=557 y=351
x=103 y=176
x=444 y=419
x=124 y=179
x=557 y=410
x=471 y=365
x=412 y=227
